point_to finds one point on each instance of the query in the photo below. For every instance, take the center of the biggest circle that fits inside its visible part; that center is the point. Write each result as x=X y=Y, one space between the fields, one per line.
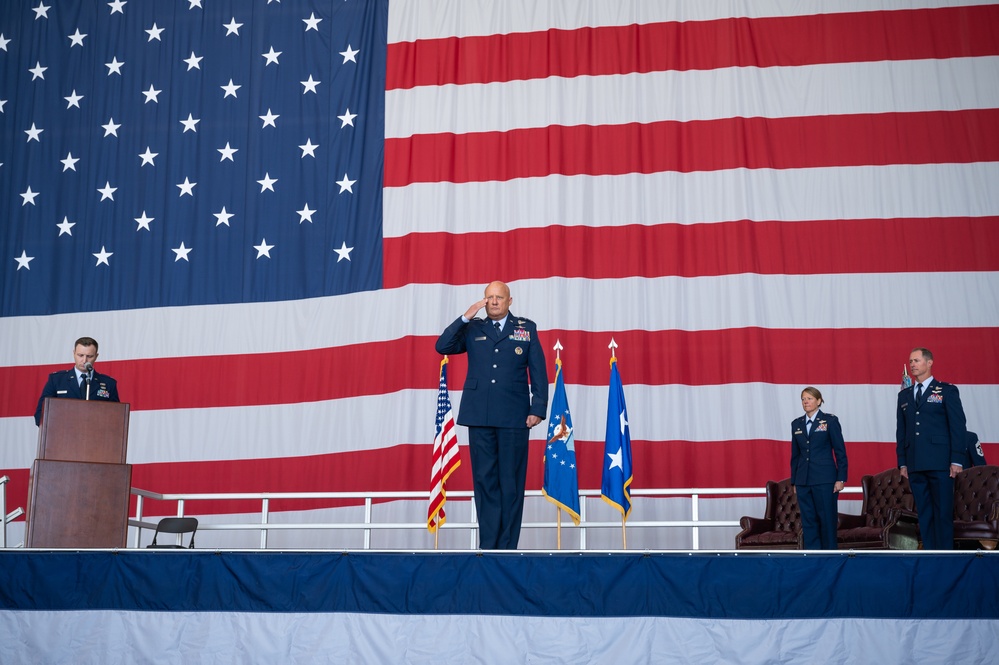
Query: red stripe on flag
x=664 y=357
x=734 y=42
x=718 y=463
x=777 y=356
x=335 y=472
x=766 y=248
x=706 y=145
x=165 y=383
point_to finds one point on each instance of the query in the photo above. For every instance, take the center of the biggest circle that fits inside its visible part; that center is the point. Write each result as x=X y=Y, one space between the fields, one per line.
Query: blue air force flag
x=561 y=484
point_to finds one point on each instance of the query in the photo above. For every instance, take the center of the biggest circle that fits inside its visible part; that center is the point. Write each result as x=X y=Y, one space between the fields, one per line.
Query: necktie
x=919 y=392
x=84 y=381
x=808 y=427
x=497 y=326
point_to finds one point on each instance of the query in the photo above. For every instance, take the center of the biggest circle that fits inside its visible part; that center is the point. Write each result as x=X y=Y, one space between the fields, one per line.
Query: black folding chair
x=175 y=525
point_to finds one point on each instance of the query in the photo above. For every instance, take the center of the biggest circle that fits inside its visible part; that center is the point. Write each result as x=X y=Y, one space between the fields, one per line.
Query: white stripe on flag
x=778 y=92
x=863 y=192
x=738 y=301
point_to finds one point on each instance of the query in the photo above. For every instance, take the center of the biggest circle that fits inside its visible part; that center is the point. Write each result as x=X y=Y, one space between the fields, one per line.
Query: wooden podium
x=78 y=490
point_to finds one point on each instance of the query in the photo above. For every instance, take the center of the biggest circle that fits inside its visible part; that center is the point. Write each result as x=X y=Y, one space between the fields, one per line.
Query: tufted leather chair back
x=782 y=506
x=882 y=492
x=976 y=490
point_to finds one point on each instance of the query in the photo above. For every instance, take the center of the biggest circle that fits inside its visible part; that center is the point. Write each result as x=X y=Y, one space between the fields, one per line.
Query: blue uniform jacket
x=974 y=455
x=63 y=384
x=930 y=436
x=507 y=377
x=812 y=461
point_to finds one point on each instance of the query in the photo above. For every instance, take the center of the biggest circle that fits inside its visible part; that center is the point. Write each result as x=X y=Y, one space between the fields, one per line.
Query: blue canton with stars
x=187 y=152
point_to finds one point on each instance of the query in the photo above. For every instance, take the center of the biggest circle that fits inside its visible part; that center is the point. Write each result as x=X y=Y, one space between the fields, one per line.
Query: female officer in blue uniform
x=818 y=470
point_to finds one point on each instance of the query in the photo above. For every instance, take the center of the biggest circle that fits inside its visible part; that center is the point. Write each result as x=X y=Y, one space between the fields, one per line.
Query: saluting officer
x=504 y=396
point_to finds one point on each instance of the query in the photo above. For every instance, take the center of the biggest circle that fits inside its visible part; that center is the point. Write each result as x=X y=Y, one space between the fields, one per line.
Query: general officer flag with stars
x=561 y=483
x=617 y=475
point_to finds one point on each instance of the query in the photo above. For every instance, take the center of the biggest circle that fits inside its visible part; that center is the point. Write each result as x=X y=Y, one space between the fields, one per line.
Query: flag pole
x=624 y=535
x=558 y=509
x=437 y=519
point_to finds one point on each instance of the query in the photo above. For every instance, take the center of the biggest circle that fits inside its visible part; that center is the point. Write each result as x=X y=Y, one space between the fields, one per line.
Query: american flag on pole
x=267 y=211
x=447 y=457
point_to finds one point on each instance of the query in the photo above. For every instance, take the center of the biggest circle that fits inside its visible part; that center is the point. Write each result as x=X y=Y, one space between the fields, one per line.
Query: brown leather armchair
x=779 y=528
x=887 y=519
x=976 y=508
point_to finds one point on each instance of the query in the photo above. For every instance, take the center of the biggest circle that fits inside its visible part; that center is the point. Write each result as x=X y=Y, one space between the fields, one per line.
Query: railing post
x=367 y=520
x=138 y=518
x=265 y=507
x=695 y=513
x=3 y=511
x=473 y=519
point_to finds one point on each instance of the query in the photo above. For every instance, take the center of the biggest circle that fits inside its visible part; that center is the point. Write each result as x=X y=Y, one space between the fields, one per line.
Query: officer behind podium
x=81 y=381
x=504 y=396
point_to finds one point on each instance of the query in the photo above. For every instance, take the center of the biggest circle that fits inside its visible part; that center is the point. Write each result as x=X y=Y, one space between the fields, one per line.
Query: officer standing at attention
x=504 y=396
x=818 y=470
x=931 y=447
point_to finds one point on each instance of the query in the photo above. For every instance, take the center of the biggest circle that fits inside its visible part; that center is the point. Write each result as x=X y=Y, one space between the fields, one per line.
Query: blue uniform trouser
x=934 y=495
x=499 y=474
x=818 y=505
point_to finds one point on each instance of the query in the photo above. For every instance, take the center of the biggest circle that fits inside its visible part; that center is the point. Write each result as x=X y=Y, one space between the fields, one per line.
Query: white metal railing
x=7 y=517
x=369 y=498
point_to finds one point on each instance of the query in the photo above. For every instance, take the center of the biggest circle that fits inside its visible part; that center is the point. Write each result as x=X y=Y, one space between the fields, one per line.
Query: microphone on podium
x=90 y=368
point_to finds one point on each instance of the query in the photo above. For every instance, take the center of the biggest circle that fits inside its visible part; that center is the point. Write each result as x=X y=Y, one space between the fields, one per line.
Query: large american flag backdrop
x=267 y=210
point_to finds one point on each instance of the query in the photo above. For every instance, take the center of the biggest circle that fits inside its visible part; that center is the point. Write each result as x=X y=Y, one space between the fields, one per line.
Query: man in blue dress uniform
x=931 y=446
x=80 y=381
x=504 y=396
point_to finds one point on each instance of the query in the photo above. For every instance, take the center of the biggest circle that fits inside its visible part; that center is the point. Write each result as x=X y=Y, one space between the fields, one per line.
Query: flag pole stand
x=437 y=532
x=624 y=535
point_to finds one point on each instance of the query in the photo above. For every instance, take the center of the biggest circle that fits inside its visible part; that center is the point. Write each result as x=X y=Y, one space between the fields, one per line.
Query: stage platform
x=486 y=607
